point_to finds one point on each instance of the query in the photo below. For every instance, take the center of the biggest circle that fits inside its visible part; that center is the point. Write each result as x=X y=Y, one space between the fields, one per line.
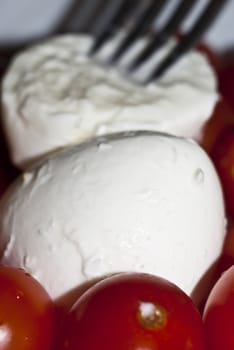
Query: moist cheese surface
x=145 y=202
x=54 y=96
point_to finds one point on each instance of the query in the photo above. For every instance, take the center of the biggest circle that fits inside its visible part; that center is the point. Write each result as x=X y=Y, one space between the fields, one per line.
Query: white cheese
x=139 y=202
x=53 y=95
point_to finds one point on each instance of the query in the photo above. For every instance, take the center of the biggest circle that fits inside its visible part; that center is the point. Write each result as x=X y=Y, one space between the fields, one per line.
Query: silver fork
x=140 y=17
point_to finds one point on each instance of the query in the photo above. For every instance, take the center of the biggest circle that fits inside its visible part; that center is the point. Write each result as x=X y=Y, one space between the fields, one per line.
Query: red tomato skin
x=27 y=314
x=223 y=158
x=218 y=313
x=222 y=117
x=226 y=82
x=107 y=317
x=211 y=55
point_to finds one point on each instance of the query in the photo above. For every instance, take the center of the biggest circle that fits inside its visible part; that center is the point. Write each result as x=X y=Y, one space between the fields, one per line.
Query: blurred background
x=27 y=20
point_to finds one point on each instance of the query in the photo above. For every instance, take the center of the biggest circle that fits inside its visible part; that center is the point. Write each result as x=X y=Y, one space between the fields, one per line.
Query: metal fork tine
x=145 y=19
x=176 y=18
x=86 y=8
x=113 y=11
x=204 y=21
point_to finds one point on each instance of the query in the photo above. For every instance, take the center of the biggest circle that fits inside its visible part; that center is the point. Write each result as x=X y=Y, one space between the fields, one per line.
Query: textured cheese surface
x=137 y=202
x=54 y=96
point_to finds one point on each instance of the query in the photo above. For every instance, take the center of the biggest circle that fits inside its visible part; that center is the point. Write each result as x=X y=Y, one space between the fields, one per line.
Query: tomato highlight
x=27 y=314
x=133 y=311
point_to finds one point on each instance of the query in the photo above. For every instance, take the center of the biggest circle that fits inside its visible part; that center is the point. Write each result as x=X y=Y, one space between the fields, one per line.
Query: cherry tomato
x=211 y=55
x=132 y=312
x=27 y=316
x=222 y=117
x=228 y=246
x=218 y=313
x=65 y=302
x=223 y=157
x=226 y=83
x=226 y=258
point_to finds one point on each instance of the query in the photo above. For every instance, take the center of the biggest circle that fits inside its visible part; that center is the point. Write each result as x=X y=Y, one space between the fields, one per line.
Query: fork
x=140 y=17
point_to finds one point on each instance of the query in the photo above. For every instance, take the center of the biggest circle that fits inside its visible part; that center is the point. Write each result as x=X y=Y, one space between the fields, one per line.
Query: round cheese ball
x=143 y=201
